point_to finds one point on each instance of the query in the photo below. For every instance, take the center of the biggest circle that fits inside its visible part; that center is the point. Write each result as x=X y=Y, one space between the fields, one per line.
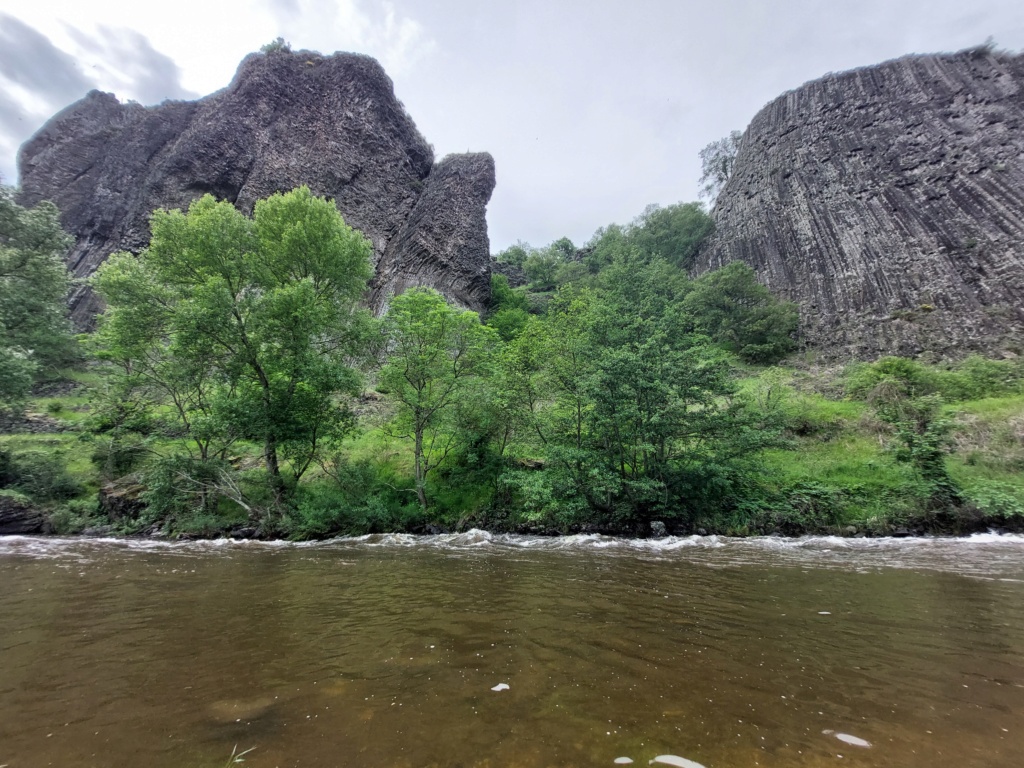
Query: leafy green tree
x=565 y=247
x=34 y=329
x=923 y=437
x=503 y=296
x=736 y=311
x=674 y=233
x=509 y=308
x=607 y=244
x=717 y=160
x=541 y=268
x=436 y=355
x=665 y=425
x=633 y=412
x=248 y=327
x=516 y=254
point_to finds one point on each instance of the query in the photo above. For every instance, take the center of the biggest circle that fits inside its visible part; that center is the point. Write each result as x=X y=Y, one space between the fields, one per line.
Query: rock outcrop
x=889 y=203
x=330 y=122
x=19 y=518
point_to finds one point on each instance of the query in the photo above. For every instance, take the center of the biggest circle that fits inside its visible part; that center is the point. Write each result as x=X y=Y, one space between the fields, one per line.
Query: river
x=387 y=650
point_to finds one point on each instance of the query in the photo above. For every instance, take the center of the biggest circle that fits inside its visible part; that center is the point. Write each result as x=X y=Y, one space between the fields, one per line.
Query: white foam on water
x=984 y=555
x=854 y=741
x=675 y=760
x=500 y=687
x=623 y=760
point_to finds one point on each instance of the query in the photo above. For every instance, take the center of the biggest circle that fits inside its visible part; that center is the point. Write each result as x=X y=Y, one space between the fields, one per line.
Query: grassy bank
x=836 y=468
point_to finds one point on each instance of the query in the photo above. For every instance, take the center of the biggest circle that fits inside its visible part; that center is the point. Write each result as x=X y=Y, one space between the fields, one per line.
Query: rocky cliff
x=889 y=202
x=287 y=119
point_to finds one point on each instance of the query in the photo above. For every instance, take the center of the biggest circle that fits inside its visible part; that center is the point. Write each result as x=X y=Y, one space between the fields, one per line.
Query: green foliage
x=509 y=323
x=736 y=311
x=118 y=454
x=997 y=500
x=278 y=44
x=509 y=308
x=73 y=516
x=717 y=160
x=608 y=244
x=355 y=497
x=541 y=268
x=674 y=233
x=8 y=469
x=40 y=475
x=635 y=415
x=505 y=297
x=243 y=328
x=34 y=283
x=437 y=354
x=923 y=437
x=516 y=254
x=970 y=379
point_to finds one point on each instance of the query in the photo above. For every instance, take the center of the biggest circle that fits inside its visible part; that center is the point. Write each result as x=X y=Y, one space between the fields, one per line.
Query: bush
x=1000 y=501
x=73 y=516
x=741 y=315
x=117 y=457
x=356 y=497
x=8 y=470
x=971 y=379
x=42 y=476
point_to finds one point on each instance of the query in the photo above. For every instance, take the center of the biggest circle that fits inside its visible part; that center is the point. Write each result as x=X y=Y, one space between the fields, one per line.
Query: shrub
x=971 y=379
x=117 y=457
x=1001 y=501
x=73 y=516
x=43 y=476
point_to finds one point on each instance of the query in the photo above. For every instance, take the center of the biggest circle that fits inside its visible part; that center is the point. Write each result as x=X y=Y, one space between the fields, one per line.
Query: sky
x=592 y=109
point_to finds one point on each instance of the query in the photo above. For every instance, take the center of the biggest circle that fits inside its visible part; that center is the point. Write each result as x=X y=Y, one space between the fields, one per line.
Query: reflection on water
x=473 y=650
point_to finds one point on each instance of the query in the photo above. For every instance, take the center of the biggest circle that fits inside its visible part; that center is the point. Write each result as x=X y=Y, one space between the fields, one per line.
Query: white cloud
x=398 y=41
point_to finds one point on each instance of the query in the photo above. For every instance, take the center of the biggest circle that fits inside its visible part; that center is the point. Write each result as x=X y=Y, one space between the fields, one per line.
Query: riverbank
x=835 y=469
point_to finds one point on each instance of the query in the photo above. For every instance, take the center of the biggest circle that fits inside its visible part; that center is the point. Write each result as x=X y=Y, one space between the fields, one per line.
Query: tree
x=731 y=307
x=633 y=411
x=716 y=161
x=515 y=255
x=541 y=268
x=34 y=329
x=922 y=434
x=248 y=327
x=674 y=233
x=435 y=353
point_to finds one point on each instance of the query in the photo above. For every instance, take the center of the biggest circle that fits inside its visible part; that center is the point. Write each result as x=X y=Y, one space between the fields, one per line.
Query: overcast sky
x=592 y=108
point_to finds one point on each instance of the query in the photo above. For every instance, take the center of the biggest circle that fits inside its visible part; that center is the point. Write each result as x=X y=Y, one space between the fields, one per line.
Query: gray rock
x=330 y=122
x=889 y=203
x=19 y=518
x=658 y=529
x=121 y=500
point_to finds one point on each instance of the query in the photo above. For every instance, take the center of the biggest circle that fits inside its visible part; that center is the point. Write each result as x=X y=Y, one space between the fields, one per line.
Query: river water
x=385 y=651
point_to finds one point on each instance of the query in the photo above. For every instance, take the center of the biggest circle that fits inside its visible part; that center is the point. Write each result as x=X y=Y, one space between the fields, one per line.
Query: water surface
x=383 y=651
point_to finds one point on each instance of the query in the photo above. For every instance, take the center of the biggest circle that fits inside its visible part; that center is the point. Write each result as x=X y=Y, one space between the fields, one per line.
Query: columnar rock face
x=329 y=122
x=446 y=223
x=889 y=202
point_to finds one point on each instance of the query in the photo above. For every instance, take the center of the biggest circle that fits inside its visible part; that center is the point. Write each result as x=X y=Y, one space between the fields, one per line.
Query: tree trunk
x=274 y=470
x=421 y=485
